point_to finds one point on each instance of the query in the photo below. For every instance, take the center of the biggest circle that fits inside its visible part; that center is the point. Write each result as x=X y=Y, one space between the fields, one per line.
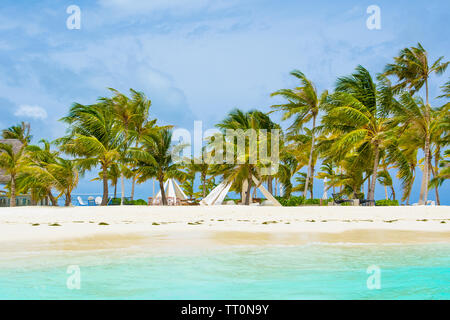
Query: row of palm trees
x=359 y=133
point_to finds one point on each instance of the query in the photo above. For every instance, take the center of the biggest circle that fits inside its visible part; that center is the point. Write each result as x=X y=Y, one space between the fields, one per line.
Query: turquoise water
x=314 y=271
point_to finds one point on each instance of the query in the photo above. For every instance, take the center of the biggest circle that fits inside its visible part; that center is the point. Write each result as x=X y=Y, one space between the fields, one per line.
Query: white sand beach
x=111 y=227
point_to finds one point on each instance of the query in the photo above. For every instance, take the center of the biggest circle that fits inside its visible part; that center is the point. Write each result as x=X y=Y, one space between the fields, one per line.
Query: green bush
x=387 y=202
x=139 y=202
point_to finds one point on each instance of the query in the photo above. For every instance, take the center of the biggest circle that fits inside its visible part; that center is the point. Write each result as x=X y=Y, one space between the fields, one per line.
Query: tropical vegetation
x=369 y=129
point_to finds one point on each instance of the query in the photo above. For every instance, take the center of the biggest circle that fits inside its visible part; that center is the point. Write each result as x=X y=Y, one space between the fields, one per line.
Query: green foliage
x=387 y=203
x=295 y=201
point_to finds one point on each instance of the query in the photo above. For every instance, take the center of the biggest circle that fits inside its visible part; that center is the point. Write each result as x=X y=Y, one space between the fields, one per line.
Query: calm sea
x=314 y=271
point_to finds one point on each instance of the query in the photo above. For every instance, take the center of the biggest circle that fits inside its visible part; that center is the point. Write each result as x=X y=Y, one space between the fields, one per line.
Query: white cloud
x=34 y=112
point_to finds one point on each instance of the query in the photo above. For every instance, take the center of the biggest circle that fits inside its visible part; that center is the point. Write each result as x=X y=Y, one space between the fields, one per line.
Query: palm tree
x=19 y=132
x=155 y=159
x=245 y=162
x=304 y=103
x=12 y=162
x=113 y=174
x=62 y=175
x=140 y=125
x=412 y=69
x=446 y=90
x=124 y=112
x=357 y=119
x=422 y=122
x=95 y=138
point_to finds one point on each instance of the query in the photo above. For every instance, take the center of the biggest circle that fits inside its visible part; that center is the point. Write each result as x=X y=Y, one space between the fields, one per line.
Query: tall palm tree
x=412 y=69
x=95 y=138
x=356 y=116
x=124 y=112
x=12 y=162
x=304 y=104
x=245 y=162
x=422 y=122
x=20 y=132
x=155 y=159
x=141 y=124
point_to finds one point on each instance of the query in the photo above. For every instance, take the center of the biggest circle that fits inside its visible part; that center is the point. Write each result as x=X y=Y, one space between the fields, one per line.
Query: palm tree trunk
x=52 y=199
x=133 y=186
x=433 y=171
x=436 y=162
x=68 y=200
x=115 y=191
x=308 y=176
x=204 y=185
x=163 y=192
x=386 y=192
x=270 y=184
x=424 y=186
x=374 y=174
x=248 y=193
x=105 y=186
x=393 y=192
x=122 y=184
x=312 y=181
x=13 y=191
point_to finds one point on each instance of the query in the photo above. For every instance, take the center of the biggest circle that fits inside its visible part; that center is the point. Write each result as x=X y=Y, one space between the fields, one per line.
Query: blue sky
x=197 y=59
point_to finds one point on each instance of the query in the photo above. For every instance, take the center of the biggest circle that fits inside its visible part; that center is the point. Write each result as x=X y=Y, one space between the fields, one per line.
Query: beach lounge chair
x=362 y=201
x=81 y=202
x=338 y=199
x=91 y=201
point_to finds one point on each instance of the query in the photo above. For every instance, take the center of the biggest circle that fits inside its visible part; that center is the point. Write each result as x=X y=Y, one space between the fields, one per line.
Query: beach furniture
x=338 y=199
x=81 y=202
x=362 y=201
x=91 y=201
x=98 y=201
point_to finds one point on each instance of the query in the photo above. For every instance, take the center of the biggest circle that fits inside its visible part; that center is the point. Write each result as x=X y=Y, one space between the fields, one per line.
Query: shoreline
x=90 y=228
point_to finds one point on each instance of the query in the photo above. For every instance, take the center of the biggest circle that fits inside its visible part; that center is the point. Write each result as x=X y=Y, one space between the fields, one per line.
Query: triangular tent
x=174 y=193
x=218 y=194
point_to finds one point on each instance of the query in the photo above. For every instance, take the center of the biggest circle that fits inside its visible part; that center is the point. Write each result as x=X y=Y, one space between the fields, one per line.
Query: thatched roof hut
x=16 y=147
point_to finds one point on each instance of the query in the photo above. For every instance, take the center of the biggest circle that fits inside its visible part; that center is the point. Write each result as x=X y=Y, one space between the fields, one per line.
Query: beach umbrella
x=325 y=189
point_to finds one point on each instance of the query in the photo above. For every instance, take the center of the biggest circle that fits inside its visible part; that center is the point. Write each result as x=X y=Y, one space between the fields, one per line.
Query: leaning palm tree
x=357 y=119
x=155 y=159
x=94 y=138
x=19 y=132
x=12 y=162
x=412 y=69
x=304 y=104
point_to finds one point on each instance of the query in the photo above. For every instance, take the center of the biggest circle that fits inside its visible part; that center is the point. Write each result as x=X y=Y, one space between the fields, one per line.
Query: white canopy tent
x=218 y=194
x=174 y=194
